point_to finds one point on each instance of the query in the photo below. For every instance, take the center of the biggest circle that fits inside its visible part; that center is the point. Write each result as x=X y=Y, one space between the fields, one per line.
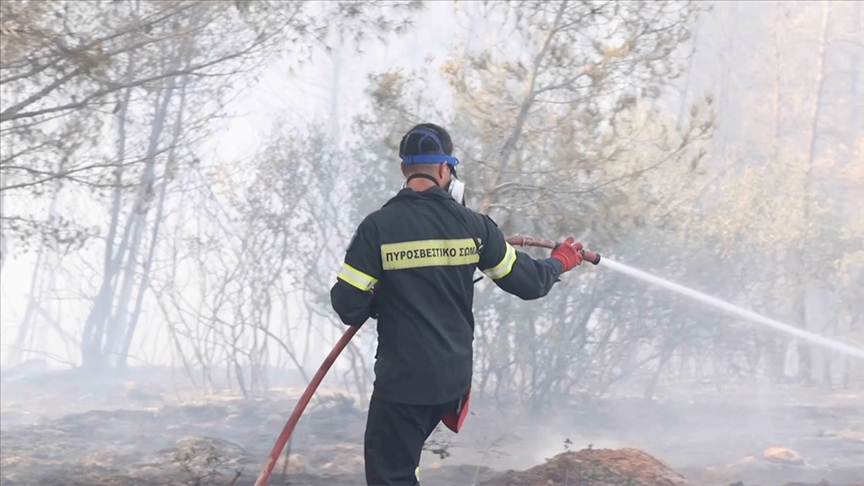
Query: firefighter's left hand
x=568 y=253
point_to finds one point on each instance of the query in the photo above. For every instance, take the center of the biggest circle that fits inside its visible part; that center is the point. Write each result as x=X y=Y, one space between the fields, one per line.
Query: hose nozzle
x=590 y=256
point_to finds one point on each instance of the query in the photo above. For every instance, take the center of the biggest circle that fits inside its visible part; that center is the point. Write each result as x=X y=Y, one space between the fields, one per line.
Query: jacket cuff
x=557 y=266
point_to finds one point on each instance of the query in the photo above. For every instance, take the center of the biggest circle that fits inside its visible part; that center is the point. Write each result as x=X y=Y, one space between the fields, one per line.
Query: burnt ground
x=63 y=428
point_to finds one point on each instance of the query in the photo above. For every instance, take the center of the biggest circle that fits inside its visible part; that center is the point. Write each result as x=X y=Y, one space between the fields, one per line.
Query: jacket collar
x=408 y=194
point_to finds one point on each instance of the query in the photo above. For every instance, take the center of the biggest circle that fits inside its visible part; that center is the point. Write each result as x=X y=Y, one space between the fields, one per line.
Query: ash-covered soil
x=144 y=428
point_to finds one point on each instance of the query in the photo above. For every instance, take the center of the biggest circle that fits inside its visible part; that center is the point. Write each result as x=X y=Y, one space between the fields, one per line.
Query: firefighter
x=411 y=265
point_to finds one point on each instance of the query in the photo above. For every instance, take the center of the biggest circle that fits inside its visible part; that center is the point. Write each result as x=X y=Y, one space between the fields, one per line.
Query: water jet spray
x=590 y=257
x=693 y=294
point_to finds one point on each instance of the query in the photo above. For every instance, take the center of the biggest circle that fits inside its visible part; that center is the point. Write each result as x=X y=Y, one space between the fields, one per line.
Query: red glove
x=568 y=253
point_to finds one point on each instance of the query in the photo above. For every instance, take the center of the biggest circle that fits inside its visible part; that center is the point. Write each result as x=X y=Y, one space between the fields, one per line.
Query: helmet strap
x=455 y=188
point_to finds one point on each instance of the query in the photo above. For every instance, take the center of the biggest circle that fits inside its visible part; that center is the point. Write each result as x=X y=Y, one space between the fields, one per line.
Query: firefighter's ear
x=443 y=171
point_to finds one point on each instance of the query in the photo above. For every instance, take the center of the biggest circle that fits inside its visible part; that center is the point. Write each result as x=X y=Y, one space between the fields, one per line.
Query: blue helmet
x=427 y=144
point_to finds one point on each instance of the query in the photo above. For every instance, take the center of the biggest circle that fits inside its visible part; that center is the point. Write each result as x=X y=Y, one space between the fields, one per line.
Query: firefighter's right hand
x=568 y=253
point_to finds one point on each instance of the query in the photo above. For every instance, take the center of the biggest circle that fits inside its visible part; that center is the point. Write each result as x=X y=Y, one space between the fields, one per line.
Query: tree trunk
x=138 y=219
x=17 y=350
x=804 y=353
x=148 y=263
x=336 y=60
x=40 y=270
x=685 y=91
x=727 y=122
x=91 y=339
x=4 y=249
x=652 y=384
x=527 y=103
x=775 y=139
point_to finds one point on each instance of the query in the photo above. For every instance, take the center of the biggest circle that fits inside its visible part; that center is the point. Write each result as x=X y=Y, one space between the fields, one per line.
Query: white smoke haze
x=179 y=181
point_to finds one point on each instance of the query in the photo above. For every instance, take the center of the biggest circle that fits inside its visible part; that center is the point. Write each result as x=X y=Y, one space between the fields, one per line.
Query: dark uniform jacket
x=412 y=262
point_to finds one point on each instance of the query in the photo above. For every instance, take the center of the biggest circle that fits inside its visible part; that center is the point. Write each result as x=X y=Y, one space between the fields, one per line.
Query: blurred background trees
x=719 y=145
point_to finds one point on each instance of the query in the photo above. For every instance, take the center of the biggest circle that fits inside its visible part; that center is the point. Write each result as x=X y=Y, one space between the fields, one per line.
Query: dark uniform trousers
x=395 y=434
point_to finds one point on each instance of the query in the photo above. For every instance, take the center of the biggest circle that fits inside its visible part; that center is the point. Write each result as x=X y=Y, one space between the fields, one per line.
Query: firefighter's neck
x=422 y=182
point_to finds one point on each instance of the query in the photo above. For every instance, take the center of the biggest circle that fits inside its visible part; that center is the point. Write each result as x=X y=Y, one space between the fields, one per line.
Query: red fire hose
x=301 y=405
x=589 y=256
x=343 y=341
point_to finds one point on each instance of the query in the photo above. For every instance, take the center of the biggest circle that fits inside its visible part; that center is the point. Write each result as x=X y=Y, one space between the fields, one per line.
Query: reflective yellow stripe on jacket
x=505 y=266
x=356 y=278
